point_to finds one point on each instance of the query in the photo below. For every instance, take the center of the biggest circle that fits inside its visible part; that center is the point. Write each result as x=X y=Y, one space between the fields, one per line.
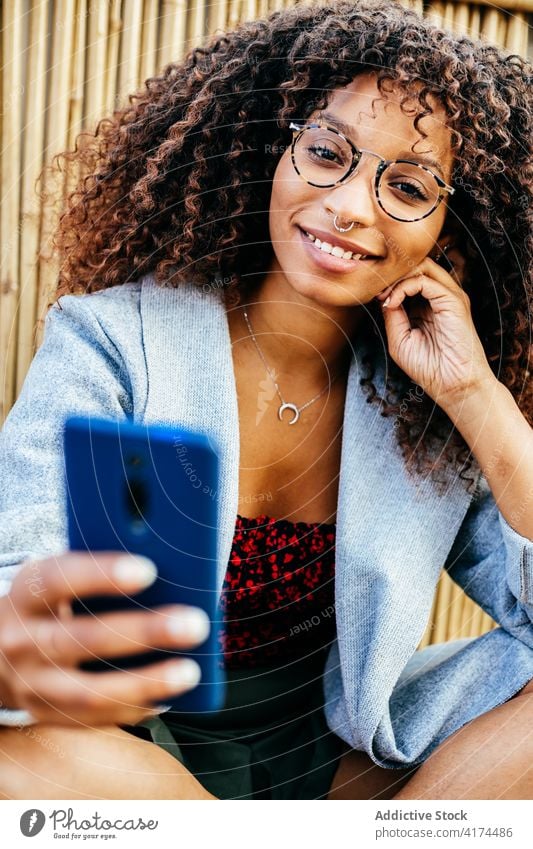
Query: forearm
x=501 y=440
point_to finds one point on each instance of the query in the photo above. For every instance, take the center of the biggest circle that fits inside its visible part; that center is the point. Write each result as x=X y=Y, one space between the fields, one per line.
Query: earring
x=443 y=259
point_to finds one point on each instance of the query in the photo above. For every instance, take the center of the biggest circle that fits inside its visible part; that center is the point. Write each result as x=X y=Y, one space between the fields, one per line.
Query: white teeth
x=327 y=248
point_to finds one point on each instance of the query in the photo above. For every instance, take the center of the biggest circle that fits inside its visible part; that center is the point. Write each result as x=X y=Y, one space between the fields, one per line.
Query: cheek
x=288 y=189
x=287 y=198
x=408 y=247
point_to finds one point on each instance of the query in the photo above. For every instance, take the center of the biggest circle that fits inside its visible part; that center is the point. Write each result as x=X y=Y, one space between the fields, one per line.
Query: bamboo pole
x=461 y=19
x=448 y=16
x=76 y=92
x=148 y=62
x=56 y=140
x=418 y=6
x=427 y=638
x=456 y=612
x=234 y=13
x=490 y=26
x=196 y=23
x=435 y=13
x=476 y=621
x=130 y=50
x=95 y=84
x=12 y=96
x=502 y=29
x=444 y=596
x=57 y=122
x=475 y=22
x=216 y=16
x=110 y=72
x=517 y=34
x=487 y=623
x=509 y=5
x=34 y=123
x=172 y=29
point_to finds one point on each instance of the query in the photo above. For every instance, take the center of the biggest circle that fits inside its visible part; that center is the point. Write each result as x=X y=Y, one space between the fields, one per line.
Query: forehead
x=377 y=118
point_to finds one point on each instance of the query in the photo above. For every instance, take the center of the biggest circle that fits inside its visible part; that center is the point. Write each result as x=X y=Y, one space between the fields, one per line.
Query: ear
x=448 y=239
x=443 y=244
x=448 y=251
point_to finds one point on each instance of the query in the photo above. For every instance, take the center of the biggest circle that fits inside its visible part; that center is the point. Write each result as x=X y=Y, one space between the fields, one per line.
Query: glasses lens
x=407 y=191
x=322 y=157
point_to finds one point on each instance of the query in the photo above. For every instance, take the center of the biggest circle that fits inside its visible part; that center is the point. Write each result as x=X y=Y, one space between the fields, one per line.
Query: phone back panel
x=149 y=490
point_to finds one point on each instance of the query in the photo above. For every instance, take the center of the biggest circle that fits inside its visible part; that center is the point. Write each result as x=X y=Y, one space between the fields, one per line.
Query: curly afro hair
x=177 y=183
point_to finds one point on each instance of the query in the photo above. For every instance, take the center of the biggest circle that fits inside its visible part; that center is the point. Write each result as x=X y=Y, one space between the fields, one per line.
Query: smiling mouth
x=335 y=250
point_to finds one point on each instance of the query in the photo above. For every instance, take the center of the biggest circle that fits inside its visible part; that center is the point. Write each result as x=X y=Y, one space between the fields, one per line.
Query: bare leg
x=59 y=762
x=490 y=758
x=358 y=777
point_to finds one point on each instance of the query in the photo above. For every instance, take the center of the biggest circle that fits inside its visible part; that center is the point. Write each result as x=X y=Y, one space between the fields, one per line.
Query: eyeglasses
x=323 y=157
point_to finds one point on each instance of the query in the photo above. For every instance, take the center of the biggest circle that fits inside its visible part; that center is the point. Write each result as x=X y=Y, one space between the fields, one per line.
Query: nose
x=355 y=199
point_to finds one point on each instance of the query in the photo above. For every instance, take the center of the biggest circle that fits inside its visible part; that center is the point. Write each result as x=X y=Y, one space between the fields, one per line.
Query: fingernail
x=194 y=625
x=186 y=671
x=386 y=302
x=133 y=569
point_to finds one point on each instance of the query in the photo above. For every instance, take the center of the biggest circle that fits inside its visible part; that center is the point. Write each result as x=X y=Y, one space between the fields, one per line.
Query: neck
x=301 y=340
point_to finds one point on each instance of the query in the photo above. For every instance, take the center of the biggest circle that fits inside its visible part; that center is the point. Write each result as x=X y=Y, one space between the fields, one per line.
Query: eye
x=412 y=190
x=323 y=153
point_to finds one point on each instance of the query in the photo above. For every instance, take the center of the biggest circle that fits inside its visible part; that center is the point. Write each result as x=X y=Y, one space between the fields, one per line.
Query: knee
x=25 y=755
x=42 y=761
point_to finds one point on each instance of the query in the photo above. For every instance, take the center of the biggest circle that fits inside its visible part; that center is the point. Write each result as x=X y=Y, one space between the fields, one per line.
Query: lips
x=330 y=263
x=358 y=251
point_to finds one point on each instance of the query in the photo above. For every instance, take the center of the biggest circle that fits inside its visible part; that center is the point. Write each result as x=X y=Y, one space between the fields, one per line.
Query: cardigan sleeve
x=77 y=370
x=493 y=564
x=447 y=685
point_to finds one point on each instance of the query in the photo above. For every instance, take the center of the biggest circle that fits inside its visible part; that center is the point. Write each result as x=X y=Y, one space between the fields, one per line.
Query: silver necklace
x=285 y=405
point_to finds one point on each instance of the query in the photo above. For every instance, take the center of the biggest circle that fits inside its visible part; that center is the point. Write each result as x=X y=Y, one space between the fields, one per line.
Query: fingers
x=433 y=271
x=381 y=296
x=73 y=697
x=439 y=292
x=398 y=327
x=75 y=574
x=67 y=642
x=423 y=285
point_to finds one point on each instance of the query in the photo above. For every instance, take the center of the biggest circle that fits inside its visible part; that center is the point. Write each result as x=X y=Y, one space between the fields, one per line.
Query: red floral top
x=278 y=595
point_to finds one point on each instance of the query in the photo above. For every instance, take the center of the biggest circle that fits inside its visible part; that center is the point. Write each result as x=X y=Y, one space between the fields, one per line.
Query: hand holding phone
x=149 y=490
x=42 y=642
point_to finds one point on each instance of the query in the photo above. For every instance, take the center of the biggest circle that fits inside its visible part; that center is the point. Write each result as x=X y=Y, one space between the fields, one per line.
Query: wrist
x=461 y=406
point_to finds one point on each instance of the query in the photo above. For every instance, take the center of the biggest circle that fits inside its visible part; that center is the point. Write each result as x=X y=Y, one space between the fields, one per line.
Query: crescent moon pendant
x=292 y=407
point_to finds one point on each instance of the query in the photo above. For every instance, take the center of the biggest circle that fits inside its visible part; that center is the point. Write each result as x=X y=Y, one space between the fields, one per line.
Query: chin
x=328 y=293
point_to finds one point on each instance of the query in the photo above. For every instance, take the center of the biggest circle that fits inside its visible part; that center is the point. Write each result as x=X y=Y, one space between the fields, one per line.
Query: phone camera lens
x=136 y=504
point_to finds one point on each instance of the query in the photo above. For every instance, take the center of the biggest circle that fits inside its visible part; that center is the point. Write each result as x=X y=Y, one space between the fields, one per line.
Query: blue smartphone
x=150 y=490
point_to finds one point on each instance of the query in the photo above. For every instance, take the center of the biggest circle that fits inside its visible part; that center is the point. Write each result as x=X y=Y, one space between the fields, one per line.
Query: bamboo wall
x=64 y=65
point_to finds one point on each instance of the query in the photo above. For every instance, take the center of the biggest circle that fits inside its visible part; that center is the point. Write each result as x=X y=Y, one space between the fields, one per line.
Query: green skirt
x=270 y=740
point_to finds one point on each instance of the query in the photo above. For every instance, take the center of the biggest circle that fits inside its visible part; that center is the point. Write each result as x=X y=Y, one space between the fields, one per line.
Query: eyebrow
x=348 y=131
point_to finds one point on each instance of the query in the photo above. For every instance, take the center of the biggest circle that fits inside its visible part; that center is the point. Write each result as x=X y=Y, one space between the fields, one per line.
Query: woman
x=316 y=227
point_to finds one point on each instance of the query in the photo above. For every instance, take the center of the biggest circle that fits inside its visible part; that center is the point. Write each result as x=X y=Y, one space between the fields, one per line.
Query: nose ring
x=341 y=229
